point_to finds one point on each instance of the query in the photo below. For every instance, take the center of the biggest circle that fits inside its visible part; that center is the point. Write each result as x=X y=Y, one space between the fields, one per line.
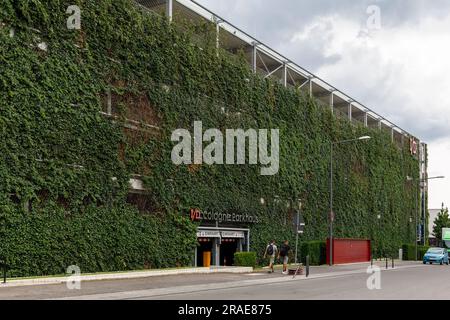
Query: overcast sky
x=396 y=65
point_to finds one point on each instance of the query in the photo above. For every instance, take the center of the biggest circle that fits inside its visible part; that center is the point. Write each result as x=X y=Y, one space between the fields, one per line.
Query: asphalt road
x=409 y=281
x=428 y=282
x=415 y=283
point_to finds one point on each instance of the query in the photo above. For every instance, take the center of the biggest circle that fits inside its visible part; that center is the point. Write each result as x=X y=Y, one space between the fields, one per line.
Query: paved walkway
x=122 y=275
x=160 y=286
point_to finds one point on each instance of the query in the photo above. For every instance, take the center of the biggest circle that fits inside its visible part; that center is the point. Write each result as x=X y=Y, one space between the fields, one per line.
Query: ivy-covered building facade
x=87 y=118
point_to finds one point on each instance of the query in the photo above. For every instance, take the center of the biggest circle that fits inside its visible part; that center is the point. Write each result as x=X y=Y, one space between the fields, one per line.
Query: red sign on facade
x=195 y=215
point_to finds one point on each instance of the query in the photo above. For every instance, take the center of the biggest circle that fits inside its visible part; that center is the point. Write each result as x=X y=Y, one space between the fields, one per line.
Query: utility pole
x=331 y=205
x=300 y=225
x=331 y=218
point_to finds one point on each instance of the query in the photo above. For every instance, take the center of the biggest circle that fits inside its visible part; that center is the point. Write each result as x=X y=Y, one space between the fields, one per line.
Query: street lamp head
x=432 y=178
x=364 y=138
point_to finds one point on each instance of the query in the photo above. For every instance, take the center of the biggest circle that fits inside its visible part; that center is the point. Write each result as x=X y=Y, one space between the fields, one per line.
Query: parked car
x=437 y=255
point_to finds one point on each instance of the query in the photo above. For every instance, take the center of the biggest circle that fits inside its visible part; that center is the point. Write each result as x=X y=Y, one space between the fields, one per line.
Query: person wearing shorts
x=271 y=251
x=284 y=254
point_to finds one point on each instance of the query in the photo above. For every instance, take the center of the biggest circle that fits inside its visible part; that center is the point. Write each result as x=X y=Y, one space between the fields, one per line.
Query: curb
x=124 y=275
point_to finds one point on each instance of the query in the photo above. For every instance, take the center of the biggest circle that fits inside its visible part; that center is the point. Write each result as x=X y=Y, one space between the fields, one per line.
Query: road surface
x=407 y=281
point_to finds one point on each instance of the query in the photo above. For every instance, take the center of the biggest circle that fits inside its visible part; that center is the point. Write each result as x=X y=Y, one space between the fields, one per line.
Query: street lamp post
x=379 y=235
x=331 y=218
x=299 y=225
x=410 y=223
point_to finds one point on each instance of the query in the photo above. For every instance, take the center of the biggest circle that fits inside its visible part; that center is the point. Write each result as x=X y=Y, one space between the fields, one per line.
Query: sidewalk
x=159 y=283
x=345 y=267
x=264 y=279
x=13 y=282
x=178 y=275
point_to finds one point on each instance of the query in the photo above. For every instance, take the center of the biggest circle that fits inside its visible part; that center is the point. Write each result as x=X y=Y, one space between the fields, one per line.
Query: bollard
x=307 y=266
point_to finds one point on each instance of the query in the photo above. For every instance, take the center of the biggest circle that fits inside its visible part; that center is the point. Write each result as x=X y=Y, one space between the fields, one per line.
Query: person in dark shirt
x=284 y=253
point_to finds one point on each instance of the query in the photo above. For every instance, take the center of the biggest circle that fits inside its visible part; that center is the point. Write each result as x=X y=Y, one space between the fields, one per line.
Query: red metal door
x=349 y=251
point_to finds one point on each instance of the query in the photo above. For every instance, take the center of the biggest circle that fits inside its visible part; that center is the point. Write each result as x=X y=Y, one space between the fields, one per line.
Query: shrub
x=317 y=251
x=409 y=252
x=245 y=259
x=421 y=251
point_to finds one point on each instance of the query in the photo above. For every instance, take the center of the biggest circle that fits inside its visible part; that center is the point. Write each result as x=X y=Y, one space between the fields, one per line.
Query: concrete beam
x=217 y=22
x=169 y=10
x=332 y=102
x=254 y=56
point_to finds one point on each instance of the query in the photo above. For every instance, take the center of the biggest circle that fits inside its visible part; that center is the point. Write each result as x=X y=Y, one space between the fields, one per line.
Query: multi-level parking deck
x=269 y=63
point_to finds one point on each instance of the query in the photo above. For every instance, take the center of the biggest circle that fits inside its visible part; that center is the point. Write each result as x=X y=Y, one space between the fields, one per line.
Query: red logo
x=195 y=214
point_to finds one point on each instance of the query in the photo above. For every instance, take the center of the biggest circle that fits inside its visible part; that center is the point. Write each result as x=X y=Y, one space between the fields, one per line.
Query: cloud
x=399 y=72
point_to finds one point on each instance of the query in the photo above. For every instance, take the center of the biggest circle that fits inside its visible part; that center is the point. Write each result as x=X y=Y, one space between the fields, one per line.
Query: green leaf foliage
x=316 y=250
x=65 y=166
x=441 y=221
x=245 y=259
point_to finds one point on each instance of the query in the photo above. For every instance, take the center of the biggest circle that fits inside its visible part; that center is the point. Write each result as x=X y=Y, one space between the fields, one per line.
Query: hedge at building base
x=409 y=252
x=245 y=259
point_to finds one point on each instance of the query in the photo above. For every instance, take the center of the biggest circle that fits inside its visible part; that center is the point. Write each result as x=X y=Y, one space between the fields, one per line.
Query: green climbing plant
x=66 y=160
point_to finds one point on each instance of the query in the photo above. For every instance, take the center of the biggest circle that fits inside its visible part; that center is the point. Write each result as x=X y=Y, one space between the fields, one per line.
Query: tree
x=442 y=221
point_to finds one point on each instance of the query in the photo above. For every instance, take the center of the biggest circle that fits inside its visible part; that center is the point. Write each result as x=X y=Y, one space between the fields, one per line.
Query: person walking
x=284 y=254
x=271 y=251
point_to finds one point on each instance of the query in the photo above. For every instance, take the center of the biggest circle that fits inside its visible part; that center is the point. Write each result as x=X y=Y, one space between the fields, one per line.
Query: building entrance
x=221 y=243
x=205 y=245
x=227 y=249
